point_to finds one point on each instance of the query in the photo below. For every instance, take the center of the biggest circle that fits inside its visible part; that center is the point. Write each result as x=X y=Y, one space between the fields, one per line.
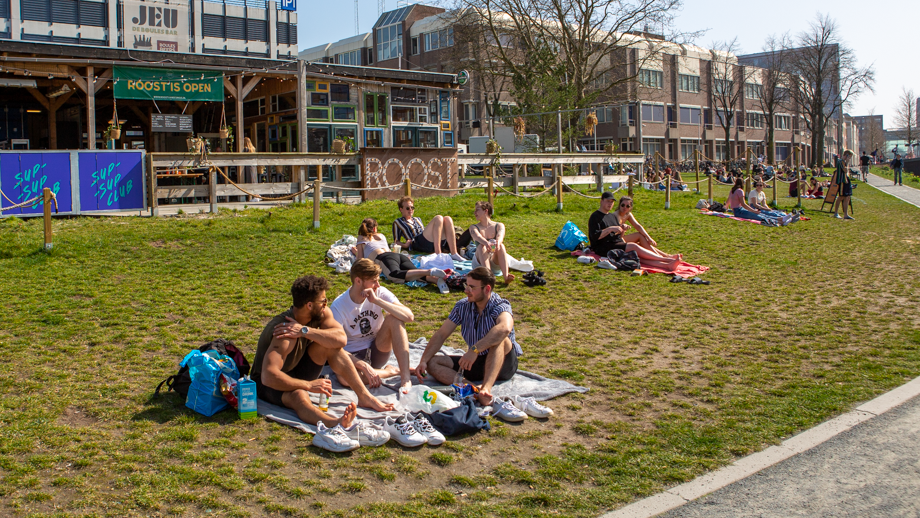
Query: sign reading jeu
x=157 y=26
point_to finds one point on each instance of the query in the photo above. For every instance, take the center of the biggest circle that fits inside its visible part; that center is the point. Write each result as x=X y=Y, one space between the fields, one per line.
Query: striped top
x=407 y=230
x=474 y=325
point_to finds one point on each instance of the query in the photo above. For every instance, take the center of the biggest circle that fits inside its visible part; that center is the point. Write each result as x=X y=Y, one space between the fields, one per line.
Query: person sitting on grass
x=370 y=335
x=490 y=236
x=293 y=349
x=640 y=237
x=741 y=209
x=487 y=325
x=409 y=232
x=606 y=231
x=397 y=267
x=815 y=189
x=758 y=200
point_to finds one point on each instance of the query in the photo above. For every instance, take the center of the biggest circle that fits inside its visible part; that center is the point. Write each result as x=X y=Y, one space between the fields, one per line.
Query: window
x=724 y=87
x=686 y=83
x=423 y=115
x=754 y=120
x=653 y=113
x=344 y=113
x=339 y=93
x=601 y=82
x=405 y=95
x=349 y=58
x=254 y=107
x=439 y=39
x=405 y=114
x=373 y=138
x=627 y=116
x=317 y=114
x=427 y=138
x=414 y=45
x=389 y=42
x=690 y=115
x=448 y=139
x=445 y=106
x=753 y=91
x=721 y=151
x=310 y=86
x=651 y=78
x=687 y=150
x=783 y=122
x=604 y=114
x=723 y=118
x=504 y=40
x=318 y=99
x=280 y=103
x=470 y=111
x=347 y=133
x=375 y=109
x=650 y=146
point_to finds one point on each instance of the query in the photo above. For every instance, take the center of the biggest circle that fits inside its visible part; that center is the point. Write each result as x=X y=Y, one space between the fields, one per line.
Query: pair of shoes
x=768 y=223
x=677 y=278
x=529 y=406
x=534 y=278
x=605 y=265
x=697 y=280
x=506 y=411
x=334 y=439
x=413 y=430
x=848 y=217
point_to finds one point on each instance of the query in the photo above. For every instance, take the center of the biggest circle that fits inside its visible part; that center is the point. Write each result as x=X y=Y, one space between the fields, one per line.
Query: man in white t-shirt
x=375 y=325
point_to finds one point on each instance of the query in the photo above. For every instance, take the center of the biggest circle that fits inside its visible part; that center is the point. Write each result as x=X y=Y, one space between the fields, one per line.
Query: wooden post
x=407 y=187
x=212 y=188
x=696 y=158
x=490 y=190
x=747 y=179
x=90 y=108
x=338 y=178
x=797 y=151
x=301 y=182
x=462 y=170
x=239 y=116
x=629 y=184
x=46 y=198
x=774 y=191
x=667 y=192
x=515 y=178
x=317 y=197
x=710 y=188
x=152 y=188
x=559 y=193
x=798 y=188
x=599 y=179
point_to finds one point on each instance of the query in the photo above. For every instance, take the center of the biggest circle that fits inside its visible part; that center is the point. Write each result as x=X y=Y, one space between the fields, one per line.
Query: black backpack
x=181 y=381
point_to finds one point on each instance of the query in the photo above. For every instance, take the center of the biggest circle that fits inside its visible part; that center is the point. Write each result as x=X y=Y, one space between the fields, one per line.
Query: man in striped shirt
x=409 y=232
x=487 y=325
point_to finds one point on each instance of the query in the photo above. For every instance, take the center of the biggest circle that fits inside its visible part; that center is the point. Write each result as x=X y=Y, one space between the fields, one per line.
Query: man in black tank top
x=604 y=230
x=293 y=348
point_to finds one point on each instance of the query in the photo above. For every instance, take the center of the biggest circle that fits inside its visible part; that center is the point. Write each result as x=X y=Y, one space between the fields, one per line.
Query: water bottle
x=324 y=399
x=247 y=405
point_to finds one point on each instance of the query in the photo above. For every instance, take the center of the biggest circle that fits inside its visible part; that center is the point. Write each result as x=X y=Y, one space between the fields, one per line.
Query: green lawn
x=885 y=172
x=800 y=324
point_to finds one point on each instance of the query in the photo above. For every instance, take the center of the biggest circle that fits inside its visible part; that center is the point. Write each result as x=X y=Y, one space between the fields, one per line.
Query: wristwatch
x=304 y=329
x=475 y=350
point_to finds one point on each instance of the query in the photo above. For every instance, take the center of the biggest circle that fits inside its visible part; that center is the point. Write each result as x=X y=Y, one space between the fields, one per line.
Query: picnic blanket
x=730 y=216
x=684 y=269
x=521 y=384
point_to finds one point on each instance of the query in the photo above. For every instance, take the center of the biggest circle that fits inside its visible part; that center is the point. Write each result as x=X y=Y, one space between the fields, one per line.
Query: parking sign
x=289 y=5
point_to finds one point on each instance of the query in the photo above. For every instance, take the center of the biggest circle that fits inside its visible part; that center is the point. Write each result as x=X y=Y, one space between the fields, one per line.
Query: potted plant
x=113 y=132
x=610 y=148
x=194 y=144
x=492 y=146
x=226 y=132
x=338 y=146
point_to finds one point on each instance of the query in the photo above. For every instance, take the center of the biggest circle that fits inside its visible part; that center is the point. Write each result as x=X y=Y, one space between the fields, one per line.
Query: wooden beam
x=239 y=115
x=230 y=88
x=57 y=103
x=90 y=110
x=250 y=85
x=140 y=115
x=193 y=107
x=39 y=97
x=102 y=79
x=77 y=79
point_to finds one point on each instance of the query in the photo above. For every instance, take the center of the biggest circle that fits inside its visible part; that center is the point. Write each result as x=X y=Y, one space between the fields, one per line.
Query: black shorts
x=601 y=249
x=372 y=355
x=477 y=371
x=395 y=265
x=306 y=370
x=422 y=244
x=846 y=189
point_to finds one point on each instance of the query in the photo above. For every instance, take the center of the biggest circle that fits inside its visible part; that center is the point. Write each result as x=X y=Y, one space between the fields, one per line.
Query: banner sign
x=156 y=25
x=170 y=123
x=288 y=5
x=24 y=176
x=111 y=181
x=168 y=84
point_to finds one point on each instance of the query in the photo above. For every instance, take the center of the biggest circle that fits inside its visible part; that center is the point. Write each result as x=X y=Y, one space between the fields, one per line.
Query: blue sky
x=879 y=32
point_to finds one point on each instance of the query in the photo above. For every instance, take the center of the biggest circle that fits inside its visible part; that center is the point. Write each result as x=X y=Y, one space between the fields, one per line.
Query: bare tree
x=875 y=136
x=726 y=87
x=775 y=82
x=827 y=78
x=905 y=116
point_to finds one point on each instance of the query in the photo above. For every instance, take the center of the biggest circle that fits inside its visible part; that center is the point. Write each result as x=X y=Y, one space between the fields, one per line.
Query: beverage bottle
x=324 y=399
x=247 y=405
x=458 y=384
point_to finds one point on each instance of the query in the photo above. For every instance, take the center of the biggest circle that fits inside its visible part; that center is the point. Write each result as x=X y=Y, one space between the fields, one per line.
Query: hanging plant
x=113 y=132
x=224 y=129
x=590 y=123
x=519 y=127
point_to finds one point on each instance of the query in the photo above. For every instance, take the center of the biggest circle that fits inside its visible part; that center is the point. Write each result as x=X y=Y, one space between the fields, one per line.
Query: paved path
x=901 y=192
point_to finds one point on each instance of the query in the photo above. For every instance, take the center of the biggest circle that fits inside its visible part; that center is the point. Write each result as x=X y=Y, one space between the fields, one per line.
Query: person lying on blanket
x=294 y=347
x=371 y=336
x=606 y=231
x=409 y=232
x=487 y=325
x=397 y=267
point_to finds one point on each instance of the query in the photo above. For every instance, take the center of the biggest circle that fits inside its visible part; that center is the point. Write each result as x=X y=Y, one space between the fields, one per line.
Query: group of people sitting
x=658 y=179
x=607 y=231
x=356 y=334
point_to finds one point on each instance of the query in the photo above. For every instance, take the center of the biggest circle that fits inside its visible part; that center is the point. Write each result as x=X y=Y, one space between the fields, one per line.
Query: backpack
x=623 y=260
x=716 y=207
x=182 y=380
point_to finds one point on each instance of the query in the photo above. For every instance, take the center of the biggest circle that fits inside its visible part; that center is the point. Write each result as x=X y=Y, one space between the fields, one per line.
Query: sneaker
x=437 y=272
x=443 y=287
x=402 y=431
x=423 y=426
x=333 y=439
x=848 y=217
x=504 y=410
x=795 y=218
x=458 y=257
x=606 y=265
x=530 y=407
x=837 y=216
x=587 y=259
x=367 y=434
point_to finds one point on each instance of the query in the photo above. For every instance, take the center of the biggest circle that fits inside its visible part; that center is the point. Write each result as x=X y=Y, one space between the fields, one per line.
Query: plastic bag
x=204 y=395
x=422 y=398
x=570 y=237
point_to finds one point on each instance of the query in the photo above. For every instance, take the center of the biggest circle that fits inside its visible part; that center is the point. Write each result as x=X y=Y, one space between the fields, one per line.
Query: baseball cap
x=607 y=195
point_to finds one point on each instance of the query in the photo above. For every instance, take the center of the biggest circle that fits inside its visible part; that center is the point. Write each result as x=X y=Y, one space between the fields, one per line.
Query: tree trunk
x=771 y=156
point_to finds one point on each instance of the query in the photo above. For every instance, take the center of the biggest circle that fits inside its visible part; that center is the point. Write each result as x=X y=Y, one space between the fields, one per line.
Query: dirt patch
x=75 y=417
x=160 y=243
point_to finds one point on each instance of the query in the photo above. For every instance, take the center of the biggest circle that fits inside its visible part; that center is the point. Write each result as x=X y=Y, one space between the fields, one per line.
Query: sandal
x=677 y=278
x=697 y=280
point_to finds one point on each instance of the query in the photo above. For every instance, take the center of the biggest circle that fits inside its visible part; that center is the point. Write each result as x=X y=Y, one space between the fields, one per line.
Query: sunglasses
x=321 y=302
x=468 y=287
x=409 y=208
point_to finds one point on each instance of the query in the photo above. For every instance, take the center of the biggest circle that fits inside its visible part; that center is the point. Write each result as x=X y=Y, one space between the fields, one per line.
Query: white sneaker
x=504 y=410
x=458 y=257
x=605 y=264
x=437 y=272
x=333 y=439
x=423 y=426
x=443 y=287
x=530 y=407
x=402 y=431
x=367 y=434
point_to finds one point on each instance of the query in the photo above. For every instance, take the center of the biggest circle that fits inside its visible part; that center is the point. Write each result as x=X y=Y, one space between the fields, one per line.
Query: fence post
x=301 y=182
x=152 y=188
x=317 y=197
x=514 y=178
x=599 y=178
x=338 y=178
x=212 y=188
x=407 y=187
x=774 y=191
x=629 y=185
x=696 y=158
x=559 y=193
x=710 y=188
x=747 y=179
x=490 y=189
x=798 y=189
x=46 y=213
x=667 y=192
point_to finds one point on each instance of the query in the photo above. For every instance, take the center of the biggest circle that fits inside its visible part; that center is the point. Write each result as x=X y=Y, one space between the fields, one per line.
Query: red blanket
x=684 y=269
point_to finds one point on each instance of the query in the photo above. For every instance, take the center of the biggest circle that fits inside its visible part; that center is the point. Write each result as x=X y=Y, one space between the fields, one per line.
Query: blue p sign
x=289 y=5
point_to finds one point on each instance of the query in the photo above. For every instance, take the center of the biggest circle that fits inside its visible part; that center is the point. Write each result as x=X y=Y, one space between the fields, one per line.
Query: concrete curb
x=747 y=466
x=876 y=187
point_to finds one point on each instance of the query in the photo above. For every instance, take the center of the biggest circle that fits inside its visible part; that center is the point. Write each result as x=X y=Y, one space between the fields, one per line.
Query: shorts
x=602 y=248
x=477 y=371
x=395 y=266
x=306 y=370
x=372 y=355
x=846 y=189
x=422 y=244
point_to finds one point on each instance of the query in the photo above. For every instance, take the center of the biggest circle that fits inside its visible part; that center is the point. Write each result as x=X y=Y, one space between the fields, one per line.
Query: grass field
x=800 y=324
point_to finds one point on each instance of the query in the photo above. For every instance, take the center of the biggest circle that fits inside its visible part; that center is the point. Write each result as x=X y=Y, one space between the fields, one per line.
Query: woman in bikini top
x=490 y=236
